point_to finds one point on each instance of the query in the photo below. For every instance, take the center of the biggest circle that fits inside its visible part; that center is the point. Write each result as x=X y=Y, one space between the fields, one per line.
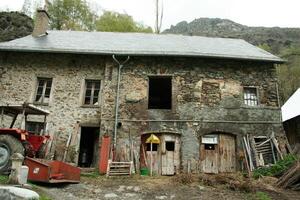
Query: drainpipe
x=121 y=64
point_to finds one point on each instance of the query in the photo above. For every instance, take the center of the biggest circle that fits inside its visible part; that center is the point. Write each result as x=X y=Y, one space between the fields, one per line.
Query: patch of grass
x=3 y=179
x=94 y=174
x=276 y=169
x=44 y=197
x=262 y=196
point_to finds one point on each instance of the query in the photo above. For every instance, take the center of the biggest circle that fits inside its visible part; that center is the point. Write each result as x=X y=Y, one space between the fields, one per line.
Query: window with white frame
x=91 y=94
x=43 y=90
x=250 y=96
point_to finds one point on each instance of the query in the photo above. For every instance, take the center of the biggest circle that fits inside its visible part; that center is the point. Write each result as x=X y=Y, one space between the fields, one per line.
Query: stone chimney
x=41 y=23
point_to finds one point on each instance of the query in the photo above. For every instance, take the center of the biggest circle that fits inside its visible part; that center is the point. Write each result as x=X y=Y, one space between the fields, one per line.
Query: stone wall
x=19 y=79
x=207 y=96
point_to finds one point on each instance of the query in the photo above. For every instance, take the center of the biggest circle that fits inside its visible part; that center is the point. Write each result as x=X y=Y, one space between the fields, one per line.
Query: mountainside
x=284 y=42
x=276 y=38
x=14 y=25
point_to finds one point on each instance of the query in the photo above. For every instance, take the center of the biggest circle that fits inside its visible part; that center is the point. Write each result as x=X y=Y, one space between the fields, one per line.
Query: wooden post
x=44 y=128
x=22 y=125
x=2 y=117
x=151 y=159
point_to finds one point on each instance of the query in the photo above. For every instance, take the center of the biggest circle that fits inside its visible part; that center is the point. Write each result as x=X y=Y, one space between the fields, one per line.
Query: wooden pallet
x=119 y=168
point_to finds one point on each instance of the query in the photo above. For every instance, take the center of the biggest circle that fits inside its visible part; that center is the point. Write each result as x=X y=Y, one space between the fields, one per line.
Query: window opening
x=160 y=92
x=43 y=90
x=250 y=96
x=92 y=89
x=154 y=147
x=209 y=146
x=170 y=145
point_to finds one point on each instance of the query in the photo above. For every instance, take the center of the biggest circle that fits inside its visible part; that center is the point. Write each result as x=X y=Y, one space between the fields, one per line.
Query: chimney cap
x=43 y=10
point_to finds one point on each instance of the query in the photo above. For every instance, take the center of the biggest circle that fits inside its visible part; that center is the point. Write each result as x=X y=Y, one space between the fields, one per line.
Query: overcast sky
x=283 y=13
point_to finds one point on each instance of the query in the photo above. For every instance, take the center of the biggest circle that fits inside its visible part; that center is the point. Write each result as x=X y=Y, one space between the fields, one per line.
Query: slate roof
x=139 y=44
x=291 y=108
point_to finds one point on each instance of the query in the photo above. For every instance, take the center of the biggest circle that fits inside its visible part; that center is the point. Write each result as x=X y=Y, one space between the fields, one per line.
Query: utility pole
x=158 y=15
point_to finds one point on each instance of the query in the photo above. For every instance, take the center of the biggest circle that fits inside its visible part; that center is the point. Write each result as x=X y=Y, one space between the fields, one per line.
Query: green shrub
x=3 y=179
x=277 y=169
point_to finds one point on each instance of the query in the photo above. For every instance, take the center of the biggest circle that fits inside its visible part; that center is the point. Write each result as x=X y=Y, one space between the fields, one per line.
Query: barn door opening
x=218 y=153
x=88 y=149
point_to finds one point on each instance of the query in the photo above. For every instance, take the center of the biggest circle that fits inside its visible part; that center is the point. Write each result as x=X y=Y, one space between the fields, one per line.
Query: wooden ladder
x=119 y=168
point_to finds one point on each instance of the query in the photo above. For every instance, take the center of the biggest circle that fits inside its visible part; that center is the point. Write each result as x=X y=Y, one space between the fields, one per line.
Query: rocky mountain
x=14 y=25
x=276 y=38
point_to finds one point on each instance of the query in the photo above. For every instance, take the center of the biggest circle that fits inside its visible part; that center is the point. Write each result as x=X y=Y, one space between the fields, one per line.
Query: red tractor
x=19 y=140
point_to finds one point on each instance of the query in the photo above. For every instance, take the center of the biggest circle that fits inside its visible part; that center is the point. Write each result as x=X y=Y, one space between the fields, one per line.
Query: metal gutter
x=121 y=64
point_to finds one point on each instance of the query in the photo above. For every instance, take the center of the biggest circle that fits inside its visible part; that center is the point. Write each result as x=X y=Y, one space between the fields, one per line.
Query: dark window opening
x=160 y=92
x=250 y=96
x=43 y=90
x=91 y=95
x=35 y=127
x=88 y=150
x=170 y=146
x=209 y=146
x=154 y=147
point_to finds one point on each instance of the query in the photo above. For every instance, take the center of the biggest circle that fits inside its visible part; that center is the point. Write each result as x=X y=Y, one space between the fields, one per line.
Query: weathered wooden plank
x=227 y=152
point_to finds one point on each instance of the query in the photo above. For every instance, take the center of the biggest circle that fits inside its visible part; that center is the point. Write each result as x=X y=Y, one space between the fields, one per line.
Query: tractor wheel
x=8 y=146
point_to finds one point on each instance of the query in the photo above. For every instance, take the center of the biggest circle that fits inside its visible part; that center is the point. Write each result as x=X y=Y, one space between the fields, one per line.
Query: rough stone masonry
x=207 y=97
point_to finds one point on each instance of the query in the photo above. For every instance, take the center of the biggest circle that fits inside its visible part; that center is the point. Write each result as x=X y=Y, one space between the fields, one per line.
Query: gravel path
x=163 y=188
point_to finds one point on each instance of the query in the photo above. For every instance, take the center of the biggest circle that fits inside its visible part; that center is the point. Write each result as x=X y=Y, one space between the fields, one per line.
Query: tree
x=115 y=22
x=265 y=47
x=71 y=15
x=289 y=73
x=27 y=8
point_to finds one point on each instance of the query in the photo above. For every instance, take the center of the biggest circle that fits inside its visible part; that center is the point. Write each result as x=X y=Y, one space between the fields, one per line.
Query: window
x=170 y=146
x=160 y=92
x=154 y=147
x=35 y=127
x=209 y=146
x=92 y=89
x=250 y=96
x=43 y=90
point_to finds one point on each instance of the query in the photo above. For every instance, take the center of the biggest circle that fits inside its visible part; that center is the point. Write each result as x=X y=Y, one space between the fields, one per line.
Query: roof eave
x=275 y=61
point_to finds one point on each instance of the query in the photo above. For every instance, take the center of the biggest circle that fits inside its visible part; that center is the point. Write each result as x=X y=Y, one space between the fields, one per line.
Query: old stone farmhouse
x=199 y=95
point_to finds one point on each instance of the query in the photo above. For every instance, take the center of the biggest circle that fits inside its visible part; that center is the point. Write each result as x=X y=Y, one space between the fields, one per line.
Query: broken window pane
x=160 y=92
x=92 y=92
x=43 y=90
x=250 y=96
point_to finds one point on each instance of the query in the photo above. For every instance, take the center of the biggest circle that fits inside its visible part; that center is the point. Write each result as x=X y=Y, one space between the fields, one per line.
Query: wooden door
x=170 y=154
x=155 y=158
x=219 y=157
x=227 y=153
x=209 y=156
x=167 y=161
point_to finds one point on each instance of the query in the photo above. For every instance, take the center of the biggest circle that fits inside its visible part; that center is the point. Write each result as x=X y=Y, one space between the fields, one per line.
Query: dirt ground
x=140 y=188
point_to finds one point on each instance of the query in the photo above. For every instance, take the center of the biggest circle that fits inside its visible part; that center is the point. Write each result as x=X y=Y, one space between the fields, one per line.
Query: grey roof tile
x=139 y=44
